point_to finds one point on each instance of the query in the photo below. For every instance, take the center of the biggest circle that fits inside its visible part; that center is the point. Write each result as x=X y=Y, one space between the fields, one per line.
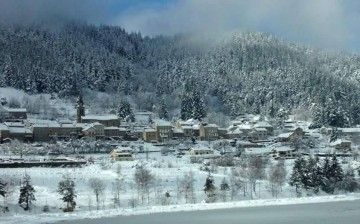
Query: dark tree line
x=313 y=175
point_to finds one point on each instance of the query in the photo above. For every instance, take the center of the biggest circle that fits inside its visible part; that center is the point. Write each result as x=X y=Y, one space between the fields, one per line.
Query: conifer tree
x=192 y=102
x=2 y=188
x=349 y=183
x=125 y=110
x=27 y=191
x=209 y=188
x=66 y=188
x=297 y=175
x=224 y=188
x=162 y=111
x=332 y=175
x=312 y=175
x=325 y=180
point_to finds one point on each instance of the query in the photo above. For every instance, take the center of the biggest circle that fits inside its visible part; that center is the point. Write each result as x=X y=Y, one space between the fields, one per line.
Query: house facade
x=208 y=132
x=50 y=131
x=95 y=130
x=164 y=131
x=150 y=135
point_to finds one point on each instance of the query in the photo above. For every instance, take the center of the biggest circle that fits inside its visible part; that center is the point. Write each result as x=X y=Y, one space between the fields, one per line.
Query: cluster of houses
x=17 y=125
x=243 y=128
x=251 y=132
x=109 y=126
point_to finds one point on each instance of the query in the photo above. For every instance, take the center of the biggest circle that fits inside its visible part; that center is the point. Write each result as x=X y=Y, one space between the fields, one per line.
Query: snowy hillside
x=249 y=72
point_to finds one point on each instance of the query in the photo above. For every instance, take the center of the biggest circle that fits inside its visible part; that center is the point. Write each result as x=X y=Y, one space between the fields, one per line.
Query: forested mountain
x=249 y=72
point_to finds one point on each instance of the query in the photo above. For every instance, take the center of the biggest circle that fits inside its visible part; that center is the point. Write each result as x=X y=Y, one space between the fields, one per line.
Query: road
x=322 y=213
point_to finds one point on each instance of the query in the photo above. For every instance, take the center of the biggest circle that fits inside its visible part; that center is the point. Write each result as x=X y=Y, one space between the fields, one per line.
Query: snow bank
x=54 y=217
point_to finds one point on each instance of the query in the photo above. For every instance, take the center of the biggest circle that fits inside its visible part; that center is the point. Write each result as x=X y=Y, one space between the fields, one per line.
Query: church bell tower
x=80 y=109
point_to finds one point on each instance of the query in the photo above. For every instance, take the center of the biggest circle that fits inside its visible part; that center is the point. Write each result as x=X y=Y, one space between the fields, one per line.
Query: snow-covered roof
x=211 y=125
x=16 y=110
x=92 y=125
x=42 y=125
x=196 y=126
x=350 y=130
x=285 y=135
x=19 y=130
x=244 y=127
x=189 y=122
x=14 y=124
x=187 y=127
x=3 y=127
x=66 y=125
x=143 y=113
x=122 y=149
x=201 y=148
x=254 y=118
x=262 y=124
x=339 y=141
x=283 y=148
x=162 y=123
x=54 y=124
x=261 y=129
x=65 y=121
x=257 y=151
x=149 y=130
x=234 y=130
x=100 y=117
x=178 y=130
x=111 y=128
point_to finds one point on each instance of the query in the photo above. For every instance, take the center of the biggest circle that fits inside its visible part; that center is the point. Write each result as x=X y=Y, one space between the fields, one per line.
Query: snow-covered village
x=131 y=160
x=179 y=111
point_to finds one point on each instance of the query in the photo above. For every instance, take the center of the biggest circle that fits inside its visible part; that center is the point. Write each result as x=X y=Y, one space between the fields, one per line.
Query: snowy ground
x=168 y=171
x=54 y=217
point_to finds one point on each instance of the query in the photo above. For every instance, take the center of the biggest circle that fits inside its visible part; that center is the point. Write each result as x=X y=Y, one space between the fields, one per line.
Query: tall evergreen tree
x=27 y=191
x=2 y=188
x=192 y=101
x=125 y=111
x=297 y=175
x=325 y=170
x=334 y=134
x=332 y=175
x=162 y=110
x=209 y=188
x=312 y=177
x=349 y=183
x=66 y=188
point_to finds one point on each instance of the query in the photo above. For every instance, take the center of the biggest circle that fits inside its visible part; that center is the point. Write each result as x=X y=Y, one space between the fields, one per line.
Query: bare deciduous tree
x=256 y=171
x=277 y=177
x=98 y=187
x=187 y=187
x=117 y=186
x=143 y=178
x=236 y=183
x=18 y=148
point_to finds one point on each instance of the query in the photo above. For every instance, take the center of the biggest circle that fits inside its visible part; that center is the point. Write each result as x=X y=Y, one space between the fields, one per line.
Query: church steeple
x=80 y=109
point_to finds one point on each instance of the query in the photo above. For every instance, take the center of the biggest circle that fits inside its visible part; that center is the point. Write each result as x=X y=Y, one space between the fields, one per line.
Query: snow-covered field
x=168 y=171
x=54 y=217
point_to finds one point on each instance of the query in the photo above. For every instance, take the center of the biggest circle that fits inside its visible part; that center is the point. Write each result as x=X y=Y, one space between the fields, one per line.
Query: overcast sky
x=330 y=24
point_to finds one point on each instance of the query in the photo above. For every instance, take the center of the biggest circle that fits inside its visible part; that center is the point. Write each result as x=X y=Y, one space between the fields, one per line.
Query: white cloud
x=319 y=22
